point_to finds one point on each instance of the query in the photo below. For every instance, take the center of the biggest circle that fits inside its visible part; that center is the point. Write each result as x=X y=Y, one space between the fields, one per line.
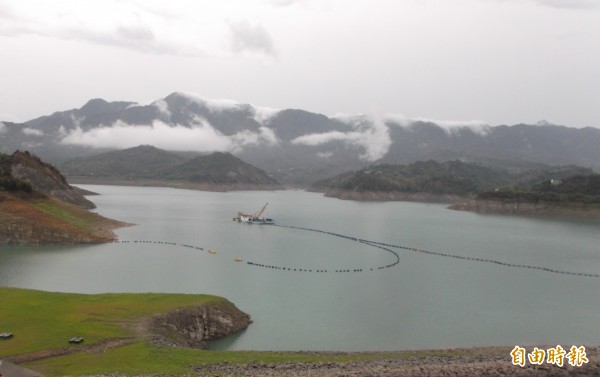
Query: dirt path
x=98 y=347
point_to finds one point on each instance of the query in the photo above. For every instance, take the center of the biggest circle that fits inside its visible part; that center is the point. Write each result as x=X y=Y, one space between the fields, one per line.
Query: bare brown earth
x=169 y=183
x=38 y=219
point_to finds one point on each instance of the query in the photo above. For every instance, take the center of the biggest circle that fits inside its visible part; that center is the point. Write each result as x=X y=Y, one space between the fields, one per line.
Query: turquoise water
x=425 y=301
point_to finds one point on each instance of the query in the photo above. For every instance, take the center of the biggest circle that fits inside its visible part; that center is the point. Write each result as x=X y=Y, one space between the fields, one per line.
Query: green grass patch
x=65 y=213
x=143 y=358
x=45 y=320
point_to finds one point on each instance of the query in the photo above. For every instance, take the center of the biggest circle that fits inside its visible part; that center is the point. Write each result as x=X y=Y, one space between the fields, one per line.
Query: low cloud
x=247 y=37
x=369 y=133
x=201 y=136
x=326 y=137
x=449 y=126
x=62 y=132
x=325 y=155
x=214 y=105
x=372 y=134
x=32 y=131
x=262 y=114
x=163 y=107
x=2 y=128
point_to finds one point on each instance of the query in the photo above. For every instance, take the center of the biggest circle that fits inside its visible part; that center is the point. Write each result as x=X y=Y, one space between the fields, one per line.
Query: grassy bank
x=46 y=320
x=141 y=358
x=42 y=323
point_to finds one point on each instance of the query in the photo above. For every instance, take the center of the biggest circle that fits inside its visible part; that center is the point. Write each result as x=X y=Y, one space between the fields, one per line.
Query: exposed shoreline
x=210 y=187
x=565 y=210
x=478 y=361
x=47 y=220
x=385 y=196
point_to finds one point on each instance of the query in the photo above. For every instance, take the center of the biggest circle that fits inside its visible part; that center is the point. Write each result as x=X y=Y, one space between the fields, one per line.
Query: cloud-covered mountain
x=294 y=146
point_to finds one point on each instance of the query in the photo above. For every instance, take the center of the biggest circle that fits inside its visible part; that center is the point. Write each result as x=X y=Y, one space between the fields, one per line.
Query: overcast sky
x=496 y=61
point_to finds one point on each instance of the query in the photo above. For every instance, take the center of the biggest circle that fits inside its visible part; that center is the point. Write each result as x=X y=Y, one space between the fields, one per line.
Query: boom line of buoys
x=387 y=246
x=375 y=244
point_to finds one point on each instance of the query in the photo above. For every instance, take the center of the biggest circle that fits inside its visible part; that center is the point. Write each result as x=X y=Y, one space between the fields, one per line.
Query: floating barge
x=254 y=219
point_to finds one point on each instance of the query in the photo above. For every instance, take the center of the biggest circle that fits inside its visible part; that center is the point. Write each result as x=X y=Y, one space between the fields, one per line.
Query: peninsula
x=38 y=206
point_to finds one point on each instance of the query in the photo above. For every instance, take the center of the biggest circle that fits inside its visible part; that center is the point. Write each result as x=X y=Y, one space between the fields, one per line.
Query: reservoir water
x=425 y=301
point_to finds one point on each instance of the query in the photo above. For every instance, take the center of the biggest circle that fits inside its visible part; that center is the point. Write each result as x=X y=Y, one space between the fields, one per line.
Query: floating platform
x=254 y=219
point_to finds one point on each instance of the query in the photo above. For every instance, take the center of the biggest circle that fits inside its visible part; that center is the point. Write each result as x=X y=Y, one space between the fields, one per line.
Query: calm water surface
x=423 y=302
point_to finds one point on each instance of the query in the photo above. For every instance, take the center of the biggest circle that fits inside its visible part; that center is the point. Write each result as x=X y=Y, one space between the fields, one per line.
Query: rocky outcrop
x=194 y=326
x=46 y=179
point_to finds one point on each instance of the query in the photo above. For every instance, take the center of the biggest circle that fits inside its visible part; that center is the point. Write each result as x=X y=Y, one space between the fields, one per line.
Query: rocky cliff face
x=192 y=327
x=46 y=179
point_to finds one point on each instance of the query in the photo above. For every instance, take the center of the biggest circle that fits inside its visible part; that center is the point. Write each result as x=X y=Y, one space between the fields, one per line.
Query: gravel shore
x=484 y=361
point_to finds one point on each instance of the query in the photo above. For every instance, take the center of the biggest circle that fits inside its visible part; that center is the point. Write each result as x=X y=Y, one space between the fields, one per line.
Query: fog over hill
x=293 y=145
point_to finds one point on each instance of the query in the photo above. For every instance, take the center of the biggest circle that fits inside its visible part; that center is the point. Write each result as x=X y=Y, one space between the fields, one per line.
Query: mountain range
x=294 y=146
